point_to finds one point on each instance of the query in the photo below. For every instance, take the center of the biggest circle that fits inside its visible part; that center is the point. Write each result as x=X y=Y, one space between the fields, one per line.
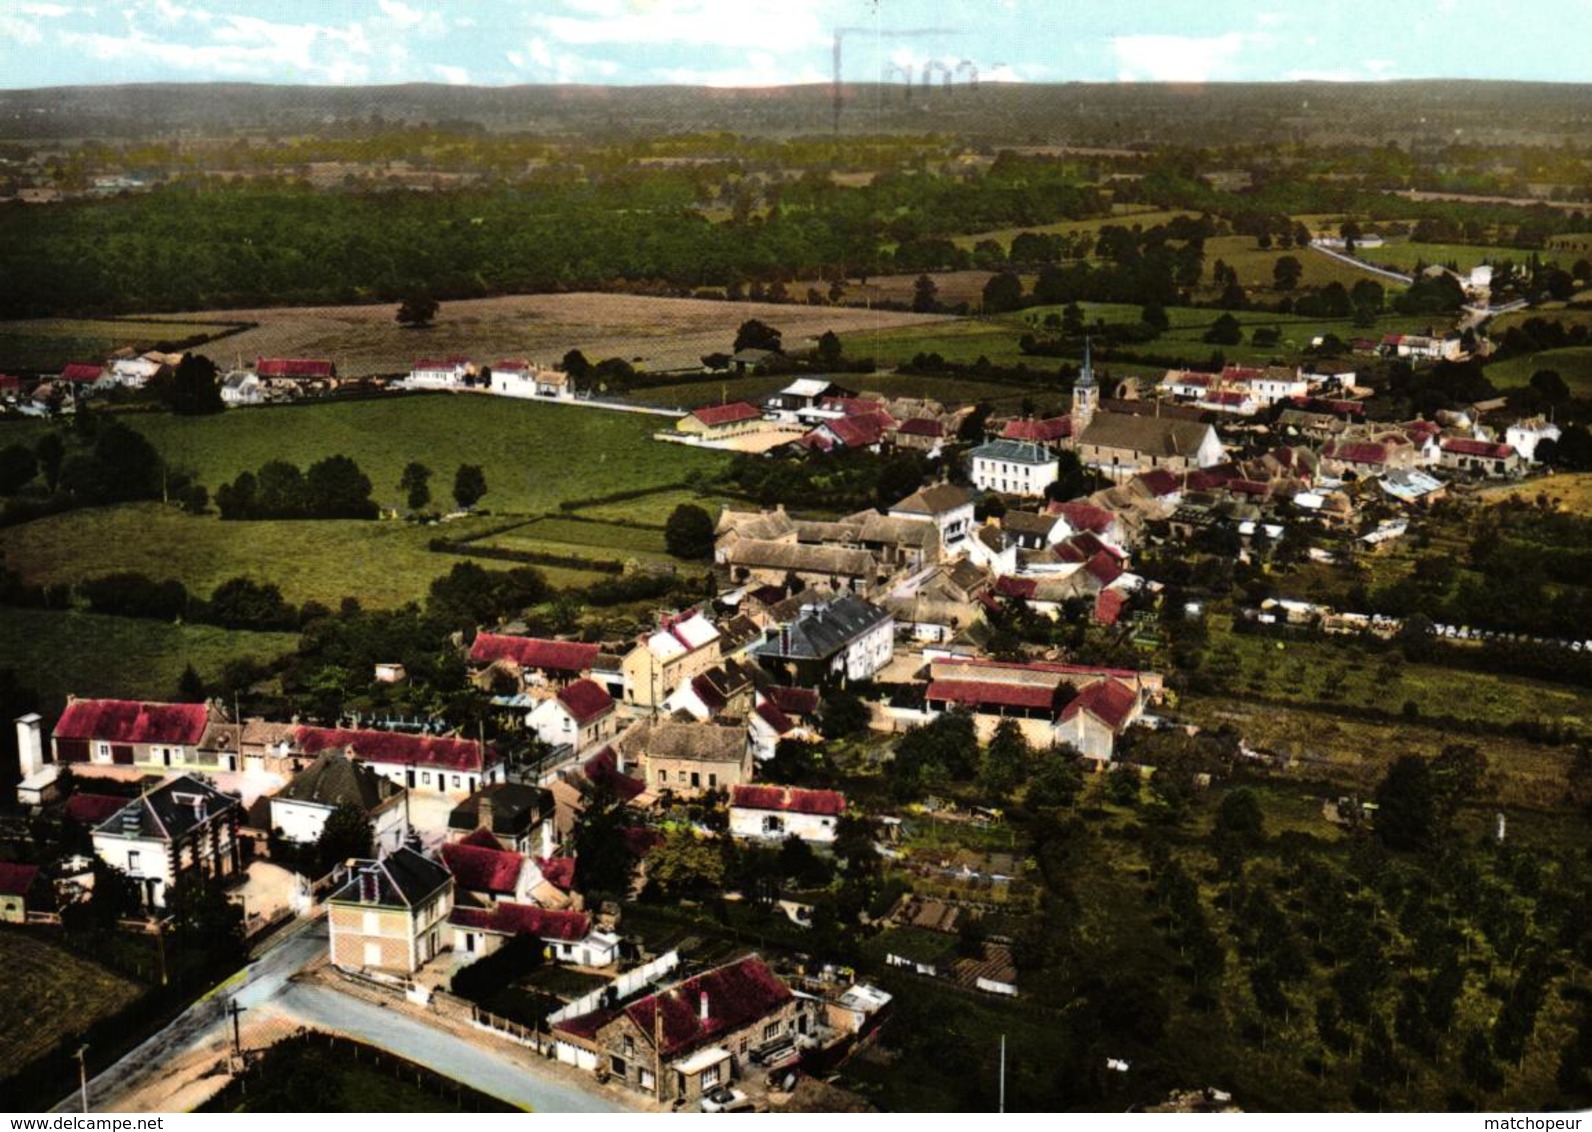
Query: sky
x=771 y=42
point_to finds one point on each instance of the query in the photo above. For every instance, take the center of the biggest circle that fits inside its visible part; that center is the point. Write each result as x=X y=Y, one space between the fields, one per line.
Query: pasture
x=85 y=654
x=1461 y=257
x=652 y=333
x=55 y=994
x=1573 y=363
x=47 y=344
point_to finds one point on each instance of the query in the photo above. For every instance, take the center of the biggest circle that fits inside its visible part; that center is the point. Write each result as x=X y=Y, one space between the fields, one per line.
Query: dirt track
x=651 y=333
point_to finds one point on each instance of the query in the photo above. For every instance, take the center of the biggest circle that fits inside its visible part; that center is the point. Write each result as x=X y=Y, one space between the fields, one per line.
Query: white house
x=440 y=373
x=440 y=764
x=1524 y=436
x=846 y=639
x=762 y=813
x=513 y=377
x=133 y=373
x=1013 y=467
x=567 y=935
x=242 y=387
x=300 y=809
x=182 y=829
x=580 y=715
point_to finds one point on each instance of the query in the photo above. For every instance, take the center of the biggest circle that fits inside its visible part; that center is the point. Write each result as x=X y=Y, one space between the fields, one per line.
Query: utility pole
x=82 y=1073
x=1003 y=1075
x=237 y=1035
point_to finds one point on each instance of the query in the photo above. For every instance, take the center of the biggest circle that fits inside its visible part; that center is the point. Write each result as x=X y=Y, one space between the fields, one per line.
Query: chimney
x=619 y=758
x=30 y=744
x=484 y=812
x=702 y=1006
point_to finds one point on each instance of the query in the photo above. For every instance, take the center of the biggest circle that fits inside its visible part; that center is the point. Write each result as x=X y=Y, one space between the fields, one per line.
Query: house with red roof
x=568 y=935
x=533 y=661
x=680 y=1042
x=1049 y=431
x=760 y=813
x=295 y=369
x=581 y=715
x=923 y=434
x=718 y=422
x=20 y=890
x=486 y=873
x=863 y=430
x=135 y=735
x=1479 y=457
x=75 y=375
x=1092 y=720
x=444 y=765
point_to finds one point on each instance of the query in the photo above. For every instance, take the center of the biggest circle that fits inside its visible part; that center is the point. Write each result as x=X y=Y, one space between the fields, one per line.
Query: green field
x=55 y=992
x=1004 y=236
x=1254 y=265
x=1573 y=363
x=49 y=343
x=85 y=654
x=534 y=455
x=1404 y=257
x=383 y=563
x=597 y=540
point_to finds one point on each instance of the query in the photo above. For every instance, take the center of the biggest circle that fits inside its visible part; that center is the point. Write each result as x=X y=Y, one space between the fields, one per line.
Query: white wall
x=749 y=823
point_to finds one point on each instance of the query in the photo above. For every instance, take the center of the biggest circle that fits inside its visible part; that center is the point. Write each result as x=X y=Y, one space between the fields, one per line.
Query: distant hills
x=1079 y=114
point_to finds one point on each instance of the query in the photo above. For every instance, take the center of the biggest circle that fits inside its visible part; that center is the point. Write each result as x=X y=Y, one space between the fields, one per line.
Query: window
x=771 y=1031
x=617 y=1063
x=132 y=860
x=457 y=781
x=713 y=780
x=663 y=775
x=425 y=778
x=102 y=752
x=645 y=1079
x=630 y=1046
x=710 y=1076
x=373 y=955
x=176 y=756
x=696 y=778
x=372 y=924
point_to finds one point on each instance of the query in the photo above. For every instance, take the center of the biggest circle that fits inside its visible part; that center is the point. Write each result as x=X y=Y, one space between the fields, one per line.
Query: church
x=1121 y=445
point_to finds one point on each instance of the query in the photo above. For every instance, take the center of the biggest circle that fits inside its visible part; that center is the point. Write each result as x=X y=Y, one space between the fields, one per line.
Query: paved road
x=480 y=1067
x=204 y=1021
x=1362 y=265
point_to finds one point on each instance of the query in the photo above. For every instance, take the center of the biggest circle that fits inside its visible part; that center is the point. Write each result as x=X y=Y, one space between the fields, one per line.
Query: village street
x=177 y=1068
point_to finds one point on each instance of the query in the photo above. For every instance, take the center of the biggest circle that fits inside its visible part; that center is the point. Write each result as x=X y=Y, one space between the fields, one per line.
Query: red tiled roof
x=778 y=720
x=922 y=426
x=1091 y=544
x=794 y=701
x=15 y=880
x=129 y=721
x=1021 y=588
x=1160 y=482
x=737 y=995
x=789 y=799
x=294 y=367
x=1190 y=377
x=1356 y=452
x=862 y=431
x=558 y=871
x=1084 y=516
x=733 y=413
x=1042 y=666
x=1248 y=487
x=524 y=919
x=1240 y=373
x=585 y=700
x=511 y=365
x=851 y=406
x=1109 y=701
x=82 y=371
x=1103 y=568
x=1424 y=428
x=1463 y=446
x=991 y=693
x=10 y=381
x=1108 y=606
x=480 y=869
x=1038 y=431
x=92 y=809
x=482 y=838
x=534 y=652
x=1226 y=397
x=393 y=747
x=602 y=769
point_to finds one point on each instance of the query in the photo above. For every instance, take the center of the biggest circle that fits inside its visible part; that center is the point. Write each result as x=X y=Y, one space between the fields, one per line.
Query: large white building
x=1013 y=467
x=759 y=813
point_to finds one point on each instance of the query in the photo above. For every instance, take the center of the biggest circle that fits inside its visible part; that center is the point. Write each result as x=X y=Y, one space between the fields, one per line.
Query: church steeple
x=1085 y=396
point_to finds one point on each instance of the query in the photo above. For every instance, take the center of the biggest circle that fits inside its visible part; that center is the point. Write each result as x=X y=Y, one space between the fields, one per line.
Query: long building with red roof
x=135 y=733
x=457 y=767
x=700 y=1033
x=296 y=369
x=714 y=422
x=759 y=812
x=535 y=659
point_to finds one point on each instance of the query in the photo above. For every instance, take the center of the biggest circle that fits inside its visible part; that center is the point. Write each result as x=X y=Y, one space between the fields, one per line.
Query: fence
x=622 y=987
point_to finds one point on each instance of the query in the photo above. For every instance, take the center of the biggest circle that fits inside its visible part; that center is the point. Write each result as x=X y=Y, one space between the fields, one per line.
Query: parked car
x=725 y=1099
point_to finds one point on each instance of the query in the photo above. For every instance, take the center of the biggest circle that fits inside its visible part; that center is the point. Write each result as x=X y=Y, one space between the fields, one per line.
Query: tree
x=115 y=896
x=1286 y=272
x=603 y=861
x=206 y=920
x=1552 y=387
x=347 y=834
x=1225 y=331
x=1003 y=292
x=685 y=865
x=1240 y=816
x=243 y=603
x=51 y=451
x=689 y=532
x=18 y=465
x=755 y=334
x=1406 y=804
x=576 y=365
x=469 y=485
x=1006 y=760
x=925 y=295
x=190 y=687
x=193 y=390
x=337 y=489
x=1058 y=781
x=830 y=350
x=418 y=310
x=841 y=714
x=415 y=483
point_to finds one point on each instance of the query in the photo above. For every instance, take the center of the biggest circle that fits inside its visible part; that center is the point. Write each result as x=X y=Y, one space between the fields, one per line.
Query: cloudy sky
x=761 y=42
